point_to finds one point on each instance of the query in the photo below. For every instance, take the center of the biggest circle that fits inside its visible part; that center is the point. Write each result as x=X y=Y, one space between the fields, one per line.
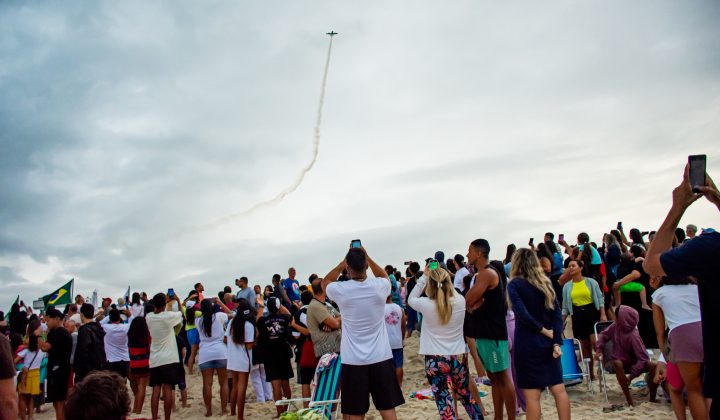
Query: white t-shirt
x=163 y=348
x=393 y=325
x=680 y=304
x=28 y=356
x=238 y=356
x=137 y=310
x=76 y=319
x=436 y=338
x=116 y=342
x=459 y=276
x=213 y=347
x=364 y=340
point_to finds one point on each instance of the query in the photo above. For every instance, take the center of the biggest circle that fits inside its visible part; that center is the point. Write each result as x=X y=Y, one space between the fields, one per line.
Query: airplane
x=331 y=33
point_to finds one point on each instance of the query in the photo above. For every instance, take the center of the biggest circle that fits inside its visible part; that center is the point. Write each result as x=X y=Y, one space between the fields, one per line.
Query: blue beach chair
x=325 y=398
x=572 y=372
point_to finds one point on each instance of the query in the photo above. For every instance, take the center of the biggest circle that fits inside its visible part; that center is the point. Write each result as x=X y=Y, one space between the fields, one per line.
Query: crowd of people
x=508 y=317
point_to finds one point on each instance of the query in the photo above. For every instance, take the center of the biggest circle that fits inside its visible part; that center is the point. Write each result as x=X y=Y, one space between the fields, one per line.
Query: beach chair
x=598 y=328
x=573 y=374
x=325 y=397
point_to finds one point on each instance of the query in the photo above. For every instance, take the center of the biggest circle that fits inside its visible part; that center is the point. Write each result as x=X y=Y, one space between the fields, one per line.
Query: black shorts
x=122 y=368
x=377 y=379
x=304 y=375
x=57 y=384
x=165 y=375
x=278 y=369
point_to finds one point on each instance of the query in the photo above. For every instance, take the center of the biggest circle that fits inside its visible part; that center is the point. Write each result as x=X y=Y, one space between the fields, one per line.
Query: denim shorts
x=214 y=364
x=193 y=337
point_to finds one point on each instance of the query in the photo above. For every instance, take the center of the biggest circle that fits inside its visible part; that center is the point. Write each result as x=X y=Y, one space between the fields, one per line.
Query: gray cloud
x=122 y=124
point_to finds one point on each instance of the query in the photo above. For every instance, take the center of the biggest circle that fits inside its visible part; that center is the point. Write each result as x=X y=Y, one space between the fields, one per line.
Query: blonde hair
x=525 y=264
x=440 y=289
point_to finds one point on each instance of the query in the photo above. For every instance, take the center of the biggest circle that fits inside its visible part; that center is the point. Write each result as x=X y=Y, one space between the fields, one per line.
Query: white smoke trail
x=301 y=176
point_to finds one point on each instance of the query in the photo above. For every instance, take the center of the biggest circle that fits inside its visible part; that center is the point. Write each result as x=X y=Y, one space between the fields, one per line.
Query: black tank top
x=488 y=321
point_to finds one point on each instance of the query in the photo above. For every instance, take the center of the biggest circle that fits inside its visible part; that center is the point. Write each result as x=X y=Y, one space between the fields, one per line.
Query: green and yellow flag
x=7 y=314
x=61 y=296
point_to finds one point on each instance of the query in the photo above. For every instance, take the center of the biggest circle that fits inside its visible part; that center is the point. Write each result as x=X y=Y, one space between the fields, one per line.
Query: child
x=31 y=358
x=629 y=352
x=632 y=287
x=395 y=320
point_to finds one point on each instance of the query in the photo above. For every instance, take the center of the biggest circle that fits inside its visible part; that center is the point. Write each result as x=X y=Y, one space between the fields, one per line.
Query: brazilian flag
x=61 y=296
x=7 y=314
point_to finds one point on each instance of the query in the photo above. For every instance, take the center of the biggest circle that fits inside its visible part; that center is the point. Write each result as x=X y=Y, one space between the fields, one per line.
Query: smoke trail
x=301 y=176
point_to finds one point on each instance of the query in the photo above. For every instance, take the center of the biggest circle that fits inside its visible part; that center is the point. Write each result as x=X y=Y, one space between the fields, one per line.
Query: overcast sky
x=127 y=127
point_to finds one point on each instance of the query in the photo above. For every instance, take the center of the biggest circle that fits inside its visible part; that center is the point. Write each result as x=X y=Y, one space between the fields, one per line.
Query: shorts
x=304 y=375
x=165 y=375
x=633 y=287
x=214 y=364
x=278 y=369
x=377 y=379
x=32 y=383
x=57 y=384
x=398 y=358
x=121 y=368
x=193 y=337
x=672 y=373
x=686 y=343
x=494 y=354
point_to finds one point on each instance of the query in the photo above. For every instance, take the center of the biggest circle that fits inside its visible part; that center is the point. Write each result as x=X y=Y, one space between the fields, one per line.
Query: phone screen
x=562 y=237
x=434 y=265
x=619 y=226
x=697 y=171
x=532 y=240
x=355 y=243
x=171 y=292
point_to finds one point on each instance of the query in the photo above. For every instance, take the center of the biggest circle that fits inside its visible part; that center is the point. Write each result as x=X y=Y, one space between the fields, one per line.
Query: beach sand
x=584 y=404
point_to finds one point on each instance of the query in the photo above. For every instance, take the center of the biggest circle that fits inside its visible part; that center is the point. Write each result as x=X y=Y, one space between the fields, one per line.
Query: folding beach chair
x=598 y=328
x=571 y=370
x=325 y=398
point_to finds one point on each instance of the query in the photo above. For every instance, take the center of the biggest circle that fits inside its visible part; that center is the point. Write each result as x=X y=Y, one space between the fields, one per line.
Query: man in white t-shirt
x=367 y=361
x=460 y=273
x=164 y=360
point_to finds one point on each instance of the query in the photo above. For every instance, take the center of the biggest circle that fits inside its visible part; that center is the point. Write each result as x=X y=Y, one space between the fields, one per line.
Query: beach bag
x=307 y=355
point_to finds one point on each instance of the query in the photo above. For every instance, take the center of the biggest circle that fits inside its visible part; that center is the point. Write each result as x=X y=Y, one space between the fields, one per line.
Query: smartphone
x=355 y=243
x=408 y=262
x=619 y=226
x=561 y=238
x=532 y=240
x=433 y=264
x=171 y=292
x=697 y=171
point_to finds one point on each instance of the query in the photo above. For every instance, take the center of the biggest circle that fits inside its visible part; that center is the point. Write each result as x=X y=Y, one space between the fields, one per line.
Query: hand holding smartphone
x=561 y=238
x=697 y=171
x=619 y=226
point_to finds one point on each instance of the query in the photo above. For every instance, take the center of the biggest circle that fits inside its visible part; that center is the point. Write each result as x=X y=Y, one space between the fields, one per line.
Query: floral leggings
x=447 y=374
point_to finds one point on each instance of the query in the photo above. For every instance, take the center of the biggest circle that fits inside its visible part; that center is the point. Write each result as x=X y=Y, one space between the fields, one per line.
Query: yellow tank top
x=580 y=294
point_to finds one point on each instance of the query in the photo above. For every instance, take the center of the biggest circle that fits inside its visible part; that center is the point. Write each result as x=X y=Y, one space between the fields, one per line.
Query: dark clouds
x=125 y=126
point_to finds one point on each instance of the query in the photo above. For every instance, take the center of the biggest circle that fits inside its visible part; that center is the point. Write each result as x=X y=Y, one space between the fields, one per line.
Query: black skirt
x=583 y=320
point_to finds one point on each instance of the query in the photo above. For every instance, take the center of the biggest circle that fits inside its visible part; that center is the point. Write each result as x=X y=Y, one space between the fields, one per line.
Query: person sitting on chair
x=629 y=353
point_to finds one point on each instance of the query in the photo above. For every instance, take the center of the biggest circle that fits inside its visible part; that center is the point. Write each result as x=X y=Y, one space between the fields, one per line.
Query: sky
x=129 y=129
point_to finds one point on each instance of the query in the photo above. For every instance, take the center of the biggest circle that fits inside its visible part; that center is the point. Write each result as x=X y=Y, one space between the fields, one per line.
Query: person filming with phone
x=697 y=258
x=367 y=361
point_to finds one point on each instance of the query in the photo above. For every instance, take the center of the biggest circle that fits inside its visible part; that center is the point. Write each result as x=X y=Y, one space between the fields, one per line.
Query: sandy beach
x=584 y=404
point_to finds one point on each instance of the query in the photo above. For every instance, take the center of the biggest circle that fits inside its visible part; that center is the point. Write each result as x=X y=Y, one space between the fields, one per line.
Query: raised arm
x=683 y=197
x=333 y=275
x=375 y=268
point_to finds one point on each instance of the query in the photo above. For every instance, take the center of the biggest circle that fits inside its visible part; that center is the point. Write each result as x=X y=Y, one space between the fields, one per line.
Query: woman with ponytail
x=442 y=342
x=538 y=332
x=240 y=338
